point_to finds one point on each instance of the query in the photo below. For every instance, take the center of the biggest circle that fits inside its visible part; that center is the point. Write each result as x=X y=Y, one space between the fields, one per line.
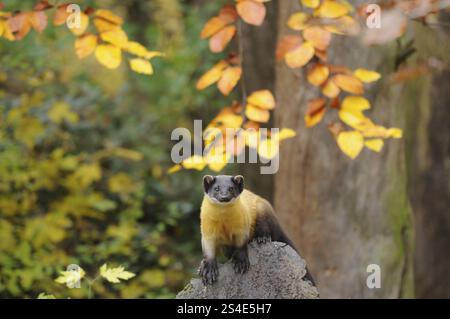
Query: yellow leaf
x=81 y=28
x=298 y=21
x=268 y=148
x=395 y=132
x=211 y=27
x=196 y=162
x=141 y=66
x=263 y=99
x=367 y=76
x=109 y=16
x=85 y=45
x=109 y=55
x=213 y=75
x=355 y=103
x=174 y=169
x=105 y=26
x=230 y=77
x=71 y=277
x=349 y=83
x=332 y=9
x=114 y=275
x=136 y=48
x=257 y=114
x=318 y=74
x=284 y=134
x=351 y=143
x=330 y=89
x=311 y=3
x=300 y=56
x=316 y=111
x=375 y=145
x=352 y=118
x=116 y=37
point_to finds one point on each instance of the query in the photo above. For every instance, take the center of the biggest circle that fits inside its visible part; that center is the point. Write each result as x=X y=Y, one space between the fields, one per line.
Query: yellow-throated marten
x=231 y=217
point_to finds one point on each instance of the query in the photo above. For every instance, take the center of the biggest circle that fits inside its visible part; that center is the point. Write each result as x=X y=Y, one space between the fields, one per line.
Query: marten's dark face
x=223 y=189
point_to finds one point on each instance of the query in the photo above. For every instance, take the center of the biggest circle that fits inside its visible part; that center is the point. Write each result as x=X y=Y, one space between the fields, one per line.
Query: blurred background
x=84 y=154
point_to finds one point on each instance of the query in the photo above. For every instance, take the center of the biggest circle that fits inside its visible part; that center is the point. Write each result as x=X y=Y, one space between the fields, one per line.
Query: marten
x=230 y=218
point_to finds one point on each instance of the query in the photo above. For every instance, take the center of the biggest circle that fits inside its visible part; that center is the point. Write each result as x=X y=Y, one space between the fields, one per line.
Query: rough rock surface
x=276 y=271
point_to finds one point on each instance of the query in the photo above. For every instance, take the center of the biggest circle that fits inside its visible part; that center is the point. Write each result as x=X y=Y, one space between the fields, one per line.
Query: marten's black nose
x=224 y=199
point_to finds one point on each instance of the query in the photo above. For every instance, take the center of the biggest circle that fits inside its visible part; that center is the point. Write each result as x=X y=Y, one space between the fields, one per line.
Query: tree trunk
x=345 y=215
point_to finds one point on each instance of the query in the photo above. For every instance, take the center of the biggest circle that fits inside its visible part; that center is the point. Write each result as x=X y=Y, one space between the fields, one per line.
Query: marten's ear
x=238 y=180
x=208 y=180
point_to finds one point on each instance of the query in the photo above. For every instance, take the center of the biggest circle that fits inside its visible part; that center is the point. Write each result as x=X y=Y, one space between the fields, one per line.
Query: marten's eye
x=216 y=189
x=230 y=189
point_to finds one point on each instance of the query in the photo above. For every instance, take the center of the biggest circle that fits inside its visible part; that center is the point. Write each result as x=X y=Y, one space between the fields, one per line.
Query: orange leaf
x=319 y=37
x=220 y=40
x=211 y=76
x=211 y=27
x=349 y=83
x=85 y=45
x=318 y=74
x=300 y=56
x=263 y=99
x=230 y=77
x=61 y=15
x=257 y=114
x=316 y=111
x=286 y=44
x=20 y=25
x=228 y=14
x=251 y=12
x=38 y=20
x=330 y=89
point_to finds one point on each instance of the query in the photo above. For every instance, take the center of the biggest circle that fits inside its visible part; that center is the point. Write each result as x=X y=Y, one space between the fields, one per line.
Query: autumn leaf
x=252 y=12
x=367 y=76
x=287 y=43
x=213 y=26
x=141 y=66
x=116 y=37
x=79 y=29
x=318 y=74
x=352 y=118
x=211 y=76
x=349 y=83
x=108 y=16
x=330 y=89
x=230 y=77
x=196 y=162
x=318 y=36
x=38 y=20
x=268 y=148
x=257 y=114
x=300 y=56
x=220 y=40
x=375 y=145
x=283 y=134
x=85 y=45
x=332 y=9
x=109 y=55
x=263 y=99
x=298 y=21
x=20 y=25
x=351 y=143
x=114 y=275
x=310 y=3
x=355 y=103
x=316 y=111
x=136 y=48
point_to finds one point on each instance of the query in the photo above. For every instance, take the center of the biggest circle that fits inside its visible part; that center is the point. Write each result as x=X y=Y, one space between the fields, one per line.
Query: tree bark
x=345 y=215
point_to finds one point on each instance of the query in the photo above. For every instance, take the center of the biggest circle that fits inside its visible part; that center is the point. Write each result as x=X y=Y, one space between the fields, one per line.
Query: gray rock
x=276 y=271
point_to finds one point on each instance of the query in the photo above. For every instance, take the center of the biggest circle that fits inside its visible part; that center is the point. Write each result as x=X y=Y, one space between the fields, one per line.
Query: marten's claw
x=208 y=271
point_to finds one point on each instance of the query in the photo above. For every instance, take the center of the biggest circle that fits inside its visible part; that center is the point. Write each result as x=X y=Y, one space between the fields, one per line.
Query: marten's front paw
x=241 y=263
x=263 y=239
x=208 y=271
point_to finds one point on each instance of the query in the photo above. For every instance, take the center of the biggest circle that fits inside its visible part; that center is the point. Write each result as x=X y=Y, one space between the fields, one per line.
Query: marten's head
x=223 y=189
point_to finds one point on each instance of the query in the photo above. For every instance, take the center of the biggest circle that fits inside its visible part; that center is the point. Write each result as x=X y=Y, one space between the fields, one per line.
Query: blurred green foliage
x=84 y=153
